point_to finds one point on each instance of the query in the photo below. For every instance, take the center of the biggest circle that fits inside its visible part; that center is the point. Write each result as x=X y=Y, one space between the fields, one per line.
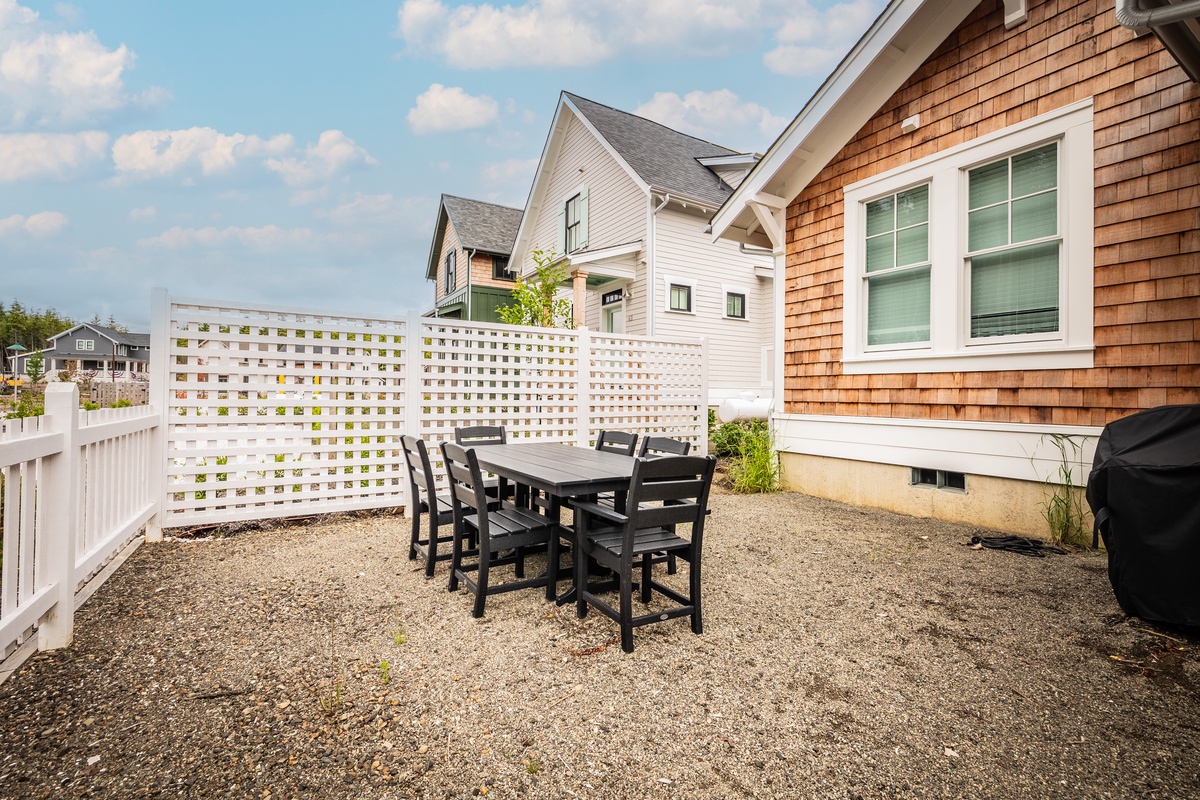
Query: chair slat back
x=664 y=446
x=476 y=435
x=618 y=442
x=466 y=483
x=681 y=484
x=420 y=473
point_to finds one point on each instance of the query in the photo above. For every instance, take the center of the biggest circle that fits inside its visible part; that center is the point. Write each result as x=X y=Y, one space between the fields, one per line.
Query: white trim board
x=1000 y=450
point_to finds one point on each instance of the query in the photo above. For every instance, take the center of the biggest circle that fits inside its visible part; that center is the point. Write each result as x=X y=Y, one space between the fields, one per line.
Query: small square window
x=681 y=297
x=735 y=305
x=500 y=270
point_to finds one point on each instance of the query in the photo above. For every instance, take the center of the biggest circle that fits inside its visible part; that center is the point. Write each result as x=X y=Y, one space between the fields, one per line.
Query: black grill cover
x=1144 y=490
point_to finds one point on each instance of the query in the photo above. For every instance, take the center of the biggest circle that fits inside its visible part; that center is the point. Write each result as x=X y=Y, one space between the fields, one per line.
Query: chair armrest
x=597 y=510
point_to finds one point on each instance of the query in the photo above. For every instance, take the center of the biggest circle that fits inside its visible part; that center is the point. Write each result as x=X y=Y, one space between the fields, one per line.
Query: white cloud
x=513 y=172
x=334 y=152
x=442 y=109
x=60 y=79
x=363 y=207
x=269 y=237
x=49 y=155
x=811 y=43
x=720 y=117
x=189 y=152
x=139 y=214
x=540 y=33
x=38 y=225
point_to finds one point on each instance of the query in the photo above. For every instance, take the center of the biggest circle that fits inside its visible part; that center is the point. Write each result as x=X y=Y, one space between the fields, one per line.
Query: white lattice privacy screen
x=276 y=412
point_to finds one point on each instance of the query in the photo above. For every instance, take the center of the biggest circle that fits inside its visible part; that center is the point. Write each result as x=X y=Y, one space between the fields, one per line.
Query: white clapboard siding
x=616 y=204
x=735 y=346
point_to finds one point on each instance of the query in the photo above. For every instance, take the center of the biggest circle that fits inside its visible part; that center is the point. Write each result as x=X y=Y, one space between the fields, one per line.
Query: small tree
x=35 y=367
x=536 y=299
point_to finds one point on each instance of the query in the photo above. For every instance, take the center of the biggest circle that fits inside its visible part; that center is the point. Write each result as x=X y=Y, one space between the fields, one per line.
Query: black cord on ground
x=1035 y=548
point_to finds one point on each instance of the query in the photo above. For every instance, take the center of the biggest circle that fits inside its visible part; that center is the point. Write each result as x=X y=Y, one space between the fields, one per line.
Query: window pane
x=735 y=305
x=912 y=207
x=987 y=227
x=681 y=298
x=898 y=307
x=912 y=245
x=1015 y=291
x=1035 y=171
x=879 y=253
x=880 y=216
x=988 y=184
x=1035 y=217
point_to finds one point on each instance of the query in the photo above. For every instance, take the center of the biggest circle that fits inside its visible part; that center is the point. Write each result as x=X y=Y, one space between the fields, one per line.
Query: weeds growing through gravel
x=384 y=674
x=330 y=699
x=754 y=465
x=400 y=635
x=1064 y=508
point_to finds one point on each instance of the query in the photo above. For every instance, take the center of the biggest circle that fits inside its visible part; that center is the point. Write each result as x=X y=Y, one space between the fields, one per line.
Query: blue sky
x=292 y=153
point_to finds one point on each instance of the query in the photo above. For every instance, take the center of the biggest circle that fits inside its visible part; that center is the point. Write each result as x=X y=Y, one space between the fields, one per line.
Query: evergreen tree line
x=29 y=328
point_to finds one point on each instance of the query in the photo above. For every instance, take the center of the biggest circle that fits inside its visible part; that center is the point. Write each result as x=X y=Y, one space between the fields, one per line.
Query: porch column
x=579 y=285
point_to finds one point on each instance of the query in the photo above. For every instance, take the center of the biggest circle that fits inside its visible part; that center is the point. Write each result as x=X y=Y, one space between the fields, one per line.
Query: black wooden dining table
x=560 y=470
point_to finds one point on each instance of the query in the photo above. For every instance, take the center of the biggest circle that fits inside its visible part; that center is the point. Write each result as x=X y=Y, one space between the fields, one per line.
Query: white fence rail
x=274 y=412
x=75 y=487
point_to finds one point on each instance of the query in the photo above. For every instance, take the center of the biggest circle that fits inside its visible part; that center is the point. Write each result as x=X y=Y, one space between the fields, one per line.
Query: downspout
x=651 y=309
x=470 y=261
x=1133 y=16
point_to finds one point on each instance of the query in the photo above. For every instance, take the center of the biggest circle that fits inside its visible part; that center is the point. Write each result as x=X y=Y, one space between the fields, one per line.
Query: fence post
x=414 y=368
x=583 y=365
x=705 y=396
x=160 y=360
x=59 y=502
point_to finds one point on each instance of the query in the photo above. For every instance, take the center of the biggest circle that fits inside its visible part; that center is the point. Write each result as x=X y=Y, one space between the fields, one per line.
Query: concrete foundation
x=1002 y=504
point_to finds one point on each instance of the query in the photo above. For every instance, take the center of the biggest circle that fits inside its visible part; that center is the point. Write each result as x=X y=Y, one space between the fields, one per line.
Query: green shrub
x=755 y=467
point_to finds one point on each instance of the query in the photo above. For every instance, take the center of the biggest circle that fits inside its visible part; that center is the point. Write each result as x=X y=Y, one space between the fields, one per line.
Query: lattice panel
x=526 y=379
x=648 y=387
x=279 y=413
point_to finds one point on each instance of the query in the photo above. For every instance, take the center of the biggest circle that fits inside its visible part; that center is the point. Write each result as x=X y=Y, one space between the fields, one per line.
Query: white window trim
x=726 y=290
x=668 y=280
x=85 y=345
x=945 y=172
x=582 y=192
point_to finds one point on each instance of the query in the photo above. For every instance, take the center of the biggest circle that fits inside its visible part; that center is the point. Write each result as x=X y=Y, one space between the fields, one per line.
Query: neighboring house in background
x=89 y=348
x=625 y=204
x=988 y=216
x=469 y=258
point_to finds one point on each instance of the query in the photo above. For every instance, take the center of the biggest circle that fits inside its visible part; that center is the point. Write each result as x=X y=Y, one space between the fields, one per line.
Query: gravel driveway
x=847 y=653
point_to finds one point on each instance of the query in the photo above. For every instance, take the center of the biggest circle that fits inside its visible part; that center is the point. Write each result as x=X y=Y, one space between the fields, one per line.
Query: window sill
x=680 y=311
x=992 y=360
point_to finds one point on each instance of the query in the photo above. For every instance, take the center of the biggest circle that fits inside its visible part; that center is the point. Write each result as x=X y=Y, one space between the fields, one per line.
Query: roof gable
x=478 y=225
x=904 y=35
x=661 y=157
x=113 y=335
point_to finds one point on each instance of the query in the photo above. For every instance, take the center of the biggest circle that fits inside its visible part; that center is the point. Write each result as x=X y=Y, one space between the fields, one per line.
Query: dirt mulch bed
x=847 y=653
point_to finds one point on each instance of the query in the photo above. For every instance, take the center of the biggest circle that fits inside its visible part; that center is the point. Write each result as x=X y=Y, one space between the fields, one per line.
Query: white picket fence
x=76 y=488
x=276 y=412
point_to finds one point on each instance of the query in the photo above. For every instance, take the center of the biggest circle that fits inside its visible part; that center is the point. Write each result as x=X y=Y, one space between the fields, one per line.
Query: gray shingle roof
x=663 y=158
x=482 y=226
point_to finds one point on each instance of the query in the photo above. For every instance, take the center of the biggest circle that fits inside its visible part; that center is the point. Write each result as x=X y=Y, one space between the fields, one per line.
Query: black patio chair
x=502 y=534
x=655 y=447
x=424 y=500
x=664 y=446
x=481 y=436
x=664 y=493
x=618 y=442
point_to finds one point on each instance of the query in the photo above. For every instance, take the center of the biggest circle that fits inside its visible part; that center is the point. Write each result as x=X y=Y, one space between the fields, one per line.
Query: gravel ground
x=847 y=653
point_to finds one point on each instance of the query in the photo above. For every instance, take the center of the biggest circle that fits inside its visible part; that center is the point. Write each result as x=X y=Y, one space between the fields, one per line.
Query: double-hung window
x=681 y=297
x=450 y=277
x=976 y=258
x=573 y=221
x=500 y=270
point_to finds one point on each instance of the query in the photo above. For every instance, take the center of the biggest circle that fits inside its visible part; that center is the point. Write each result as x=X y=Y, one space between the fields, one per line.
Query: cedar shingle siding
x=1147 y=221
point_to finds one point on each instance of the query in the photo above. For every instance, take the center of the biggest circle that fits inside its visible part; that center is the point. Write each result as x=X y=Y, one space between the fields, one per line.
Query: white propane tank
x=746 y=406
